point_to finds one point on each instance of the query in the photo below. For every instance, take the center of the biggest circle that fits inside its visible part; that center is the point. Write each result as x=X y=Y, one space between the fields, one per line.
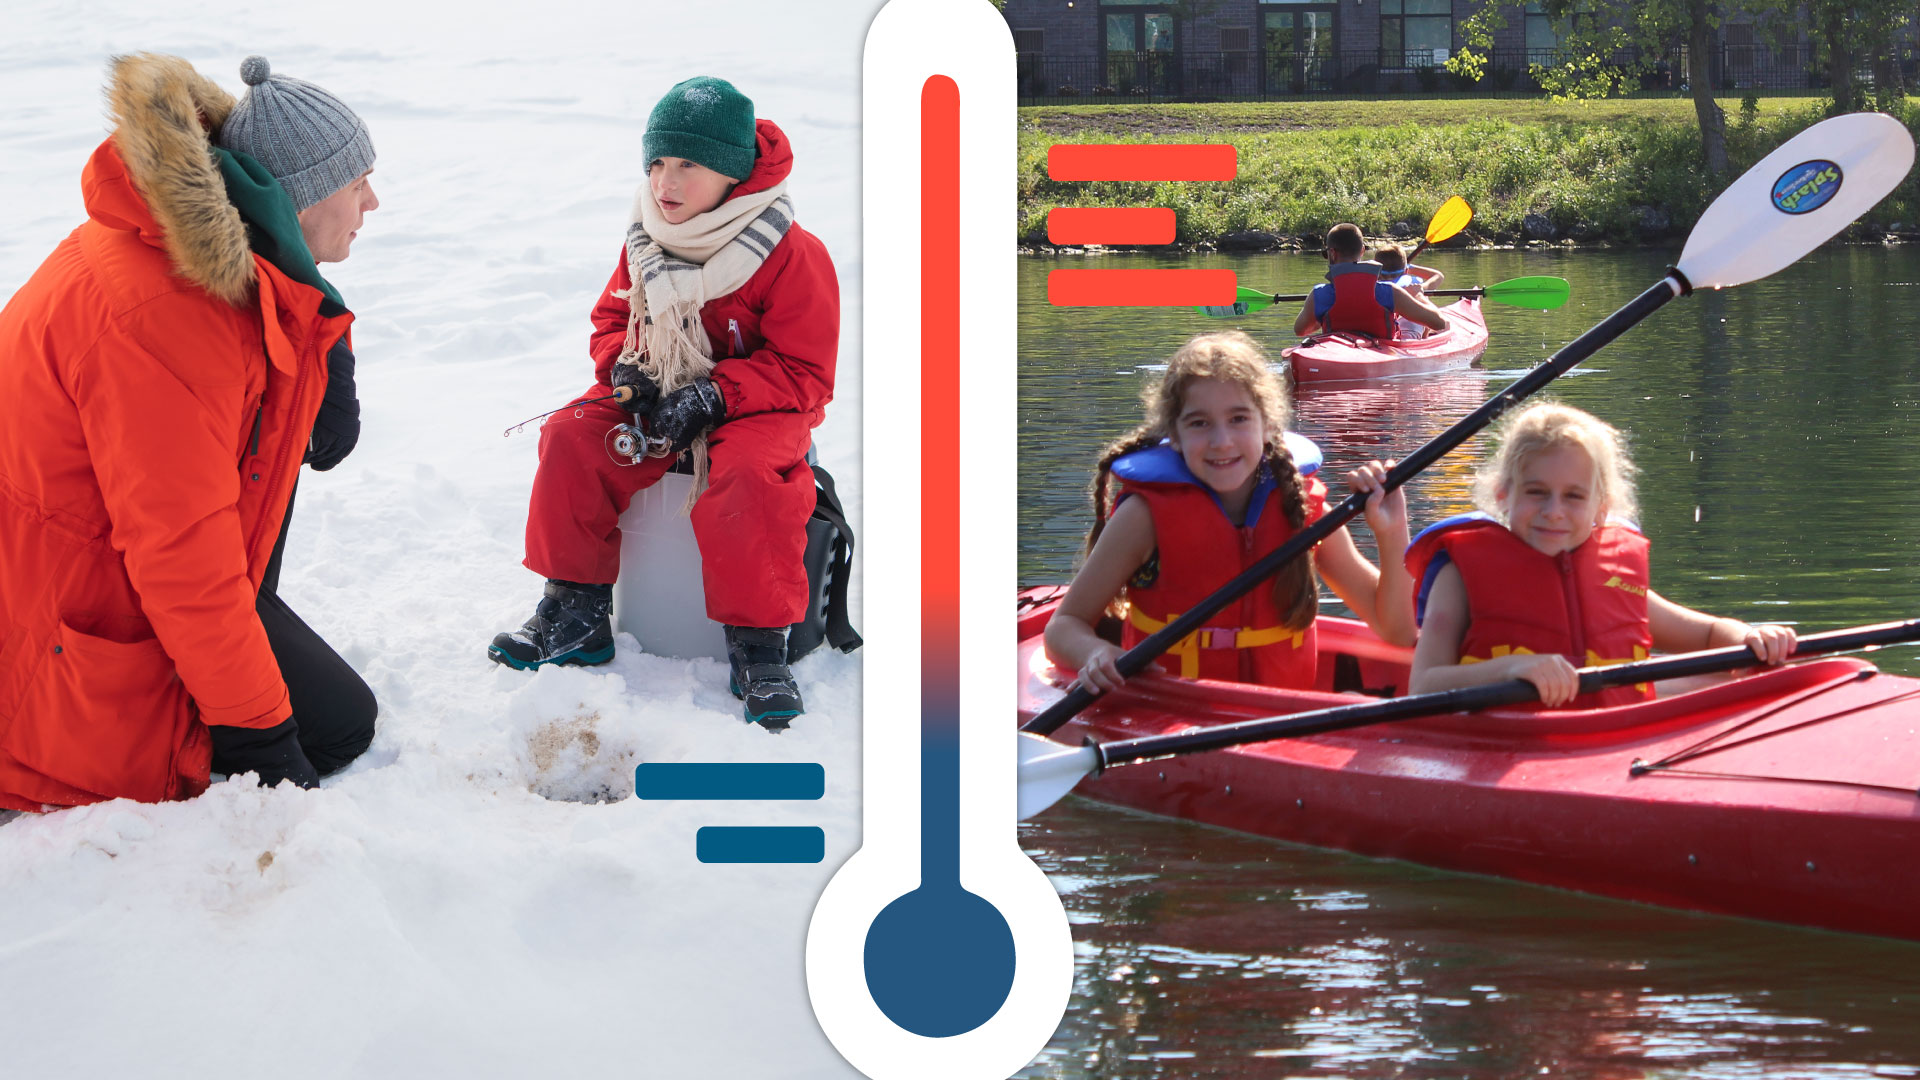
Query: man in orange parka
x=165 y=372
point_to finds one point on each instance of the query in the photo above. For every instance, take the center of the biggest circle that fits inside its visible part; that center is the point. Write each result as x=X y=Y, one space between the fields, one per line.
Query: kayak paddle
x=1446 y=223
x=1789 y=203
x=1049 y=770
x=1539 y=293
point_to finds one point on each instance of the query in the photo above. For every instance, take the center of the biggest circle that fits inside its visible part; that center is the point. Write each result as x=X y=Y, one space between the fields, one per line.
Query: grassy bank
x=1590 y=170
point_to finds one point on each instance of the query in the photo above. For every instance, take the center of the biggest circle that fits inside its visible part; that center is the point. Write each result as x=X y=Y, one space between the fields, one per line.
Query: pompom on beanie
x=311 y=142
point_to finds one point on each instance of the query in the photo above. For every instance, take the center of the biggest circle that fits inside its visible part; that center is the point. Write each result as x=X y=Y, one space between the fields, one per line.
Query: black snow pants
x=332 y=704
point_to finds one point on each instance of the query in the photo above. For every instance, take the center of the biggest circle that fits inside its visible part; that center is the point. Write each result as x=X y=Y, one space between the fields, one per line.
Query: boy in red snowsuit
x=728 y=345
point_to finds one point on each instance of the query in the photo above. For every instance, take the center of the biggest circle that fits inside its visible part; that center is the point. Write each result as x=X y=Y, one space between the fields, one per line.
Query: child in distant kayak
x=1211 y=482
x=1394 y=269
x=1354 y=298
x=1553 y=575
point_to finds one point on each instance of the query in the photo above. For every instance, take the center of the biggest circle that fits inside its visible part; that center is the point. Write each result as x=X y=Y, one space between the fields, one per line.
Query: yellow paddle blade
x=1453 y=215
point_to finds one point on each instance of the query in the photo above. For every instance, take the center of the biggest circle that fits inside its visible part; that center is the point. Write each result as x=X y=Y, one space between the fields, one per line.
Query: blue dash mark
x=760 y=844
x=714 y=780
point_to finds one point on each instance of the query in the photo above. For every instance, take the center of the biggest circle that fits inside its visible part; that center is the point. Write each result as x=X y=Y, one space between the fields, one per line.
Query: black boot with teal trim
x=760 y=676
x=571 y=625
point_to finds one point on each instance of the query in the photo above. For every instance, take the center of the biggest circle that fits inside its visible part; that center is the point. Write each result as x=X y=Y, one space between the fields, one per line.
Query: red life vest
x=1589 y=604
x=1199 y=550
x=1356 y=302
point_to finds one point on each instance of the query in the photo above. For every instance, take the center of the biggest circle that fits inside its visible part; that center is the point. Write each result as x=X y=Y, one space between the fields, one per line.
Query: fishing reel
x=630 y=442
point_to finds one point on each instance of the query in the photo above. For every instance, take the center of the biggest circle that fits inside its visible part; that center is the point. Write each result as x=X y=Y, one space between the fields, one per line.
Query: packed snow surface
x=478 y=896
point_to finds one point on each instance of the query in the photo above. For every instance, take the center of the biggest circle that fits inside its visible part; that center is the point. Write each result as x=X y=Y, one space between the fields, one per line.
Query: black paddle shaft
x=1512 y=692
x=1478 y=290
x=1137 y=658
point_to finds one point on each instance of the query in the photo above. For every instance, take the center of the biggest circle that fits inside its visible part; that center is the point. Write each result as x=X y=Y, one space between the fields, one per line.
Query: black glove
x=646 y=392
x=687 y=413
x=272 y=752
x=337 y=427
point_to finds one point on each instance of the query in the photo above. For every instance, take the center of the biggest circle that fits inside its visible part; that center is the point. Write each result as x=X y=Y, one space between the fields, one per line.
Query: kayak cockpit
x=1354 y=664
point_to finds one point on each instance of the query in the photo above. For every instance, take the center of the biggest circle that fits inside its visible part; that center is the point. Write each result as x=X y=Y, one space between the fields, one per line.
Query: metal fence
x=1119 y=78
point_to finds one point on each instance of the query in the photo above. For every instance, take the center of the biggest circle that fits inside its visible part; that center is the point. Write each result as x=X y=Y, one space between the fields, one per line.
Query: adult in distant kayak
x=166 y=372
x=1553 y=574
x=1415 y=279
x=1354 y=299
x=723 y=318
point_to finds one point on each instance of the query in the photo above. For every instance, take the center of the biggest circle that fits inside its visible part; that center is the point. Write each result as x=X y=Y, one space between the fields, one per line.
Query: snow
x=479 y=895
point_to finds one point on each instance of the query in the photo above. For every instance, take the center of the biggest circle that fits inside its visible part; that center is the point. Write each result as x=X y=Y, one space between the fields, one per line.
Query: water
x=1774 y=428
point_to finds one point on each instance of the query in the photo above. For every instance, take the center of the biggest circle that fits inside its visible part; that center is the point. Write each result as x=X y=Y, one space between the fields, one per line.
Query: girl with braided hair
x=1210 y=483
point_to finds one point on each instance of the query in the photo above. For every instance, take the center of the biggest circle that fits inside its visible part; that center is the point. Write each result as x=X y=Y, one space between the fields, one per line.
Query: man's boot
x=571 y=625
x=761 y=677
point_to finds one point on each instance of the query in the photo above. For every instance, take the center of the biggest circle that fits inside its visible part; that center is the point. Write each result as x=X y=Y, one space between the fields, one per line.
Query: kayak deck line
x=1717 y=742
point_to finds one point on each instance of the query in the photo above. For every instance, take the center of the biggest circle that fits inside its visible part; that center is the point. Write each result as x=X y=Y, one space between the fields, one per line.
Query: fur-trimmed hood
x=163 y=112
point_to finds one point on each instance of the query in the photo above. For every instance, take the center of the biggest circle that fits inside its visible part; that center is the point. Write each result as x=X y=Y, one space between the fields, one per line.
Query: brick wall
x=1073 y=38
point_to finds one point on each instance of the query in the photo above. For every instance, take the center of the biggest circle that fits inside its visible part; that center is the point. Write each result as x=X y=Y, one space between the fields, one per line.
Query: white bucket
x=659 y=598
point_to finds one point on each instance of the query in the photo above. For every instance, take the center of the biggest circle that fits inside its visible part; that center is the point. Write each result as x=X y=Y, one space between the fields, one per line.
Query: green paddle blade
x=1453 y=215
x=1245 y=302
x=1539 y=293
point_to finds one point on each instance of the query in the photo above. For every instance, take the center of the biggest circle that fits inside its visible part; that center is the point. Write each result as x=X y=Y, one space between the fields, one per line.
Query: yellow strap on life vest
x=1594 y=659
x=1188 y=648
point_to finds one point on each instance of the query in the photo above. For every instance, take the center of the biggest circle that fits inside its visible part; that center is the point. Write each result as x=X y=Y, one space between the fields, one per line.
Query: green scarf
x=273 y=228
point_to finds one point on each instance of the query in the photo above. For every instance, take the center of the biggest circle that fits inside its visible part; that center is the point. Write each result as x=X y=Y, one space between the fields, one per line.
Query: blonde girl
x=1553 y=574
x=1208 y=484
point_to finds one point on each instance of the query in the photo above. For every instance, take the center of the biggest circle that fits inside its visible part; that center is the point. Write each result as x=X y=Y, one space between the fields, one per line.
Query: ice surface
x=478 y=896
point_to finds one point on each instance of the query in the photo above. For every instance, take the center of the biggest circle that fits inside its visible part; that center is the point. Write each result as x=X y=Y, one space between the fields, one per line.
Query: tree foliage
x=1849 y=41
x=1609 y=49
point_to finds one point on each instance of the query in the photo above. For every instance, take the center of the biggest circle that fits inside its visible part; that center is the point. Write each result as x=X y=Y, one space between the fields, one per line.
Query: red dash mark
x=1081 y=161
x=1110 y=225
x=1140 y=288
x=940 y=369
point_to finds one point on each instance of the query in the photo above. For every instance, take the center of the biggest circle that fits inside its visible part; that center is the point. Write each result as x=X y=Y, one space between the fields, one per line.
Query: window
x=1142 y=31
x=1415 y=33
x=1139 y=48
x=1029 y=42
x=1740 y=59
x=1236 y=42
x=1297 y=46
x=1543 y=40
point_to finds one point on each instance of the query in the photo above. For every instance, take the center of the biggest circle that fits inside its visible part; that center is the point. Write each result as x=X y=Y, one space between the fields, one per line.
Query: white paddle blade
x=1797 y=198
x=1048 y=771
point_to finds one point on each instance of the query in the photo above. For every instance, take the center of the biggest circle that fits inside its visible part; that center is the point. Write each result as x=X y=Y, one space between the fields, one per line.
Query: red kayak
x=1788 y=794
x=1357 y=356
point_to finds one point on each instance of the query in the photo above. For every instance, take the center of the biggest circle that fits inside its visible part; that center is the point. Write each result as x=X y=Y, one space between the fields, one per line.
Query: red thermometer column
x=939 y=949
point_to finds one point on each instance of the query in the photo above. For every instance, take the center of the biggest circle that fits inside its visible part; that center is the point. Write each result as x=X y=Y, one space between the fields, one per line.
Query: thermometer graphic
x=939 y=949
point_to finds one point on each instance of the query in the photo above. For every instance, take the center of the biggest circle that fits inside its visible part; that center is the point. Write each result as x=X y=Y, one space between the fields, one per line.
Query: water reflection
x=1780 y=478
x=1237 y=957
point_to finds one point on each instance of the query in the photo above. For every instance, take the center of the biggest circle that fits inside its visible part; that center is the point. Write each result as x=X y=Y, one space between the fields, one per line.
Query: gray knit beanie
x=306 y=138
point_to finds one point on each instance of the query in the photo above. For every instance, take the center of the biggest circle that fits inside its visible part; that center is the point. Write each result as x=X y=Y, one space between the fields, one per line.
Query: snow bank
x=479 y=895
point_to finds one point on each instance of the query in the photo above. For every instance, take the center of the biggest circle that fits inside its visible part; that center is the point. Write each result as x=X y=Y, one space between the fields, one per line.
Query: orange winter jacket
x=159 y=382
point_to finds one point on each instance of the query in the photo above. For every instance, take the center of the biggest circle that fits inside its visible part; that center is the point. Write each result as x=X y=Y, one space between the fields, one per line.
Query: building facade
x=1209 y=50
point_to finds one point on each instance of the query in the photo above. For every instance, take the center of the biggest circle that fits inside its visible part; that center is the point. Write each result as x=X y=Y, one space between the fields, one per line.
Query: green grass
x=1305 y=166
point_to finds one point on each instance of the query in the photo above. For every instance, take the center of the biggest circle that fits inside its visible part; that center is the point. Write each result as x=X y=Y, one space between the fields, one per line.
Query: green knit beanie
x=704 y=120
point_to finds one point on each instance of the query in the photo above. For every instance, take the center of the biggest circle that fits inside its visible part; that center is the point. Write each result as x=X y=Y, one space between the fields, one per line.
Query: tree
x=1594 y=61
x=1845 y=37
